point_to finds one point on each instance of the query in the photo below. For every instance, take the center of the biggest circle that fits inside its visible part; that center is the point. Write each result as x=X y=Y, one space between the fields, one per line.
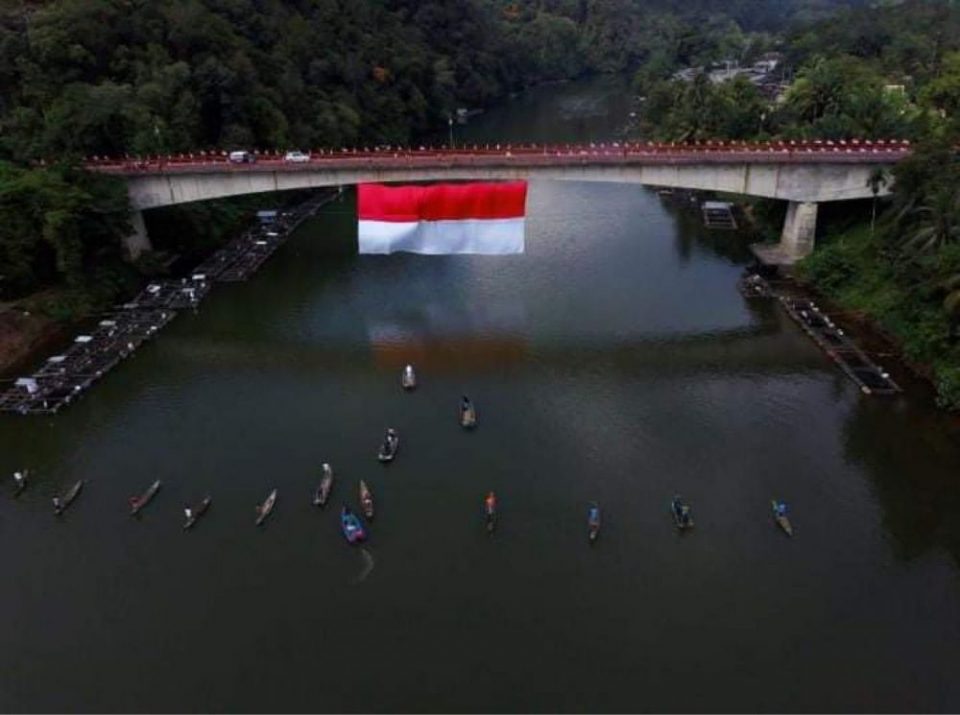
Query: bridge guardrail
x=852 y=151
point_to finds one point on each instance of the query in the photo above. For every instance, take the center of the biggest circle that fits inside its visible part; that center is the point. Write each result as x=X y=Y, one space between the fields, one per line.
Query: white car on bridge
x=296 y=156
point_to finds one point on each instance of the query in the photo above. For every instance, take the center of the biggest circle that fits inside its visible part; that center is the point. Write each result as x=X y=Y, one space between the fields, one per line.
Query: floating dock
x=244 y=255
x=718 y=214
x=64 y=378
x=871 y=378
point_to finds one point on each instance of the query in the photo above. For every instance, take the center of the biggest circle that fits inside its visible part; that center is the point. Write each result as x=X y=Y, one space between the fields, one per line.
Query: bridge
x=801 y=173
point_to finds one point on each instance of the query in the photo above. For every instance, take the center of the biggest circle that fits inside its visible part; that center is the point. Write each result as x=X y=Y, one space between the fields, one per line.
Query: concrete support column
x=138 y=241
x=799 y=230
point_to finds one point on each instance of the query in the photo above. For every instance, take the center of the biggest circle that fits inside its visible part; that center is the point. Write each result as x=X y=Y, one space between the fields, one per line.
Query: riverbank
x=23 y=334
x=849 y=271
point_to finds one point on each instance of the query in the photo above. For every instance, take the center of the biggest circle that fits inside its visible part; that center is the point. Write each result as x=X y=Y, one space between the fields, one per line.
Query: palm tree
x=937 y=222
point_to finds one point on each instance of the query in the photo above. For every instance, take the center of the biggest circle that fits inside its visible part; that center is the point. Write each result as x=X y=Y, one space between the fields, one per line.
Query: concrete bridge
x=802 y=173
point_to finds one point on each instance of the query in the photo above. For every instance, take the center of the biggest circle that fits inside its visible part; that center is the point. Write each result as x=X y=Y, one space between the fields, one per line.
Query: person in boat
x=56 y=503
x=18 y=477
x=464 y=402
x=188 y=512
x=781 y=509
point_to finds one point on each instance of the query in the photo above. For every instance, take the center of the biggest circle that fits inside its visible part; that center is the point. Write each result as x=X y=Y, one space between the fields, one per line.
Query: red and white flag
x=442 y=218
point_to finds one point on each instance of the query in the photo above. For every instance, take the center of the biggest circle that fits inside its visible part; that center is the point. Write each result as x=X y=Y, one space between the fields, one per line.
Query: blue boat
x=351 y=525
x=593 y=521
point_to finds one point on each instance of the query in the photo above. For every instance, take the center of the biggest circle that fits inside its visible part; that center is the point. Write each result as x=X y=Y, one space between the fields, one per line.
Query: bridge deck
x=818 y=152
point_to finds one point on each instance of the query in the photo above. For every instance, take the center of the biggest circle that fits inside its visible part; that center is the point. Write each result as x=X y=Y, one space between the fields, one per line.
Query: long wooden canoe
x=197 y=512
x=60 y=504
x=263 y=511
x=138 y=503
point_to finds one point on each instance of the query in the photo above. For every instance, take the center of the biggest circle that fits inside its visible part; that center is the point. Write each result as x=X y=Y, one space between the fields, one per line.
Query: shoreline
x=23 y=336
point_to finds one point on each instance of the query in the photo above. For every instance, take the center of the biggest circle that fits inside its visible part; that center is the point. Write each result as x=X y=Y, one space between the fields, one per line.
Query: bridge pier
x=796 y=239
x=138 y=241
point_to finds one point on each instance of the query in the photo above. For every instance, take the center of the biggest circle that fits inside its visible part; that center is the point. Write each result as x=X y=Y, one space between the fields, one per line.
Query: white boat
x=322 y=494
x=409 y=378
x=468 y=413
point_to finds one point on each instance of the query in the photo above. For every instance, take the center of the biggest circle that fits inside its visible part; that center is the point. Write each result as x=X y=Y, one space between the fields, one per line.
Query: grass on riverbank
x=851 y=270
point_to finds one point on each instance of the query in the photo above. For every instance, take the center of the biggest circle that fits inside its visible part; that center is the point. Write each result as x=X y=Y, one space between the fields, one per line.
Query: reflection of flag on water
x=443 y=218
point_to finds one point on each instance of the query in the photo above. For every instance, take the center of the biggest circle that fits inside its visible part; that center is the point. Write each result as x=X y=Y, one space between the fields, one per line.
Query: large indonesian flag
x=443 y=218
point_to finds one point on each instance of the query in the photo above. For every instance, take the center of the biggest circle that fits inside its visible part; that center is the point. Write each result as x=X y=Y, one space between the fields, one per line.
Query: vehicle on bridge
x=242 y=157
x=296 y=157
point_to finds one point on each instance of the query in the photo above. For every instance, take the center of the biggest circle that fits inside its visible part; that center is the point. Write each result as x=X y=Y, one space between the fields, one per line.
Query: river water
x=613 y=361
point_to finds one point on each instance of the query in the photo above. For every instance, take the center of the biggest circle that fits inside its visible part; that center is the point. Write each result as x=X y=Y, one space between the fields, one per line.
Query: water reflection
x=913 y=472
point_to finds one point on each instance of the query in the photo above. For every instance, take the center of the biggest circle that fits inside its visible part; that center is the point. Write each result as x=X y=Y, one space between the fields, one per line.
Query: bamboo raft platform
x=171 y=294
x=64 y=378
x=718 y=214
x=871 y=378
x=244 y=255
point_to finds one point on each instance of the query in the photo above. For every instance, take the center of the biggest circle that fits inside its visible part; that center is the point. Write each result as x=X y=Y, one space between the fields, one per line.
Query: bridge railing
x=852 y=151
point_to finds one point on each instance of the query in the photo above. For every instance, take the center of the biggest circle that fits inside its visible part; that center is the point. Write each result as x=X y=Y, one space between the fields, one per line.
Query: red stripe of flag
x=440 y=202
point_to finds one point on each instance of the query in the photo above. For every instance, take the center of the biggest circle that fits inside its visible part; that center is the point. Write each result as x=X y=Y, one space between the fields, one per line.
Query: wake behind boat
x=366 y=500
x=391 y=443
x=593 y=522
x=681 y=513
x=351 y=526
x=137 y=503
x=409 y=378
x=193 y=514
x=322 y=494
x=468 y=413
x=263 y=511
x=60 y=504
x=780 y=516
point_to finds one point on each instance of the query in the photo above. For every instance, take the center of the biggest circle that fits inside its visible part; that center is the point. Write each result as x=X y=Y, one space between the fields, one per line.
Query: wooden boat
x=490 y=511
x=193 y=515
x=263 y=511
x=409 y=378
x=351 y=526
x=366 y=500
x=20 y=481
x=468 y=413
x=681 y=513
x=781 y=517
x=593 y=522
x=391 y=443
x=322 y=494
x=137 y=503
x=60 y=504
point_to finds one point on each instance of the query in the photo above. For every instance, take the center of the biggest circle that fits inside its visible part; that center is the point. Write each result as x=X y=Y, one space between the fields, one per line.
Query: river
x=613 y=361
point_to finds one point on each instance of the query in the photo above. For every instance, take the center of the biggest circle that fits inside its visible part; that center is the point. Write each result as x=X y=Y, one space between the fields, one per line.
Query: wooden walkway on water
x=871 y=378
x=64 y=378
